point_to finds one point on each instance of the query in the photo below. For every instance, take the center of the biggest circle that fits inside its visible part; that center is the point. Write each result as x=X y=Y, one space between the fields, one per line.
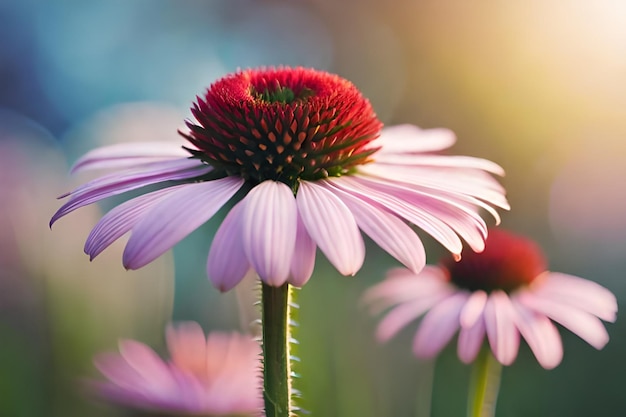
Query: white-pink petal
x=174 y=217
x=500 y=319
x=541 y=335
x=121 y=219
x=471 y=340
x=227 y=263
x=124 y=155
x=332 y=226
x=586 y=326
x=577 y=292
x=303 y=261
x=439 y=326
x=269 y=230
x=406 y=138
x=473 y=309
x=388 y=231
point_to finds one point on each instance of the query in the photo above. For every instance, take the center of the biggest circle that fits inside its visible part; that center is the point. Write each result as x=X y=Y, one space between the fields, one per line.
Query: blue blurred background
x=537 y=86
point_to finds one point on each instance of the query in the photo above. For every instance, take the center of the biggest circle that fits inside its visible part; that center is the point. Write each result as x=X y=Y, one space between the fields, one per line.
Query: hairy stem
x=276 y=356
x=484 y=385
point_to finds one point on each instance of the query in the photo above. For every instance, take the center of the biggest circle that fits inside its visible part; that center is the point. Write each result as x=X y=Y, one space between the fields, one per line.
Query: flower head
x=501 y=293
x=314 y=168
x=217 y=375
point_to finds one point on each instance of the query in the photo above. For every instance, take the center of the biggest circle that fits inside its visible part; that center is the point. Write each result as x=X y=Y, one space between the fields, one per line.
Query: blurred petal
x=332 y=226
x=541 y=335
x=439 y=326
x=165 y=225
x=587 y=327
x=148 y=364
x=124 y=155
x=227 y=263
x=303 y=261
x=578 y=292
x=400 y=316
x=187 y=346
x=269 y=230
x=470 y=340
x=387 y=230
x=473 y=309
x=501 y=329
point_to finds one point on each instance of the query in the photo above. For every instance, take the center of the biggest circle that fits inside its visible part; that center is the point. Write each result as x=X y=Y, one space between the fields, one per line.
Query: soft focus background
x=538 y=86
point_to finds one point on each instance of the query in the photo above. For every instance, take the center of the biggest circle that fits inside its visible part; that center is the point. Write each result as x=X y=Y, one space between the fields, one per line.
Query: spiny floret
x=283 y=124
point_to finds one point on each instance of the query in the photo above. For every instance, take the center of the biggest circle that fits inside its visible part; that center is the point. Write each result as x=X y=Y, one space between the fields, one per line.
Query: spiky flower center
x=283 y=124
x=507 y=263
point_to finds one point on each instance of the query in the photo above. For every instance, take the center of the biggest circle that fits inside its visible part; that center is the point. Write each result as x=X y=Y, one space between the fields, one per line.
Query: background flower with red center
x=500 y=294
x=216 y=375
x=276 y=134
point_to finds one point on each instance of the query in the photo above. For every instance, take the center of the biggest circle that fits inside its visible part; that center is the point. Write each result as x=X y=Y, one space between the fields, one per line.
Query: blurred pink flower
x=502 y=292
x=219 y=375
x=309 y=153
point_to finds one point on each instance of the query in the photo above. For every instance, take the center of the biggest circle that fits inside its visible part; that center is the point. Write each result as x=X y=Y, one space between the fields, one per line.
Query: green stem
x=276 y=361
x=484 y=385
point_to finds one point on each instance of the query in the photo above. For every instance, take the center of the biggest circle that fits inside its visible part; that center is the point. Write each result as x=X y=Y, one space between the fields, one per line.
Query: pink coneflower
x=501 y=293
x=308 y=156
x=217 y=375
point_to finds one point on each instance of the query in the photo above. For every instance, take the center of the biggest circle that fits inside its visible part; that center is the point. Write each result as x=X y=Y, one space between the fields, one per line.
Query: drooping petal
x=116 y=369
x=187 y=346
x=416 y=215
x=124 y=155
x=332 y=226
x=122 y=219
x=148 y=364
x=387 y=230
x=439 y=326
x=269 y=230
x=402 y=286
x=175 y=217
x=118 y=183
x=577 y=292
x=586 y=326
x=406 y=138
x=447 y=161
x=473 y=309
x=303 y=261
x=470 y=340
x=227 y=263
x=541 y=335
x=501 y=329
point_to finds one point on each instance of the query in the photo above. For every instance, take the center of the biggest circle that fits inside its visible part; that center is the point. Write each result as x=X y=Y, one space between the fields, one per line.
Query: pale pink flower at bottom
x=217 y=375
x=501 y=293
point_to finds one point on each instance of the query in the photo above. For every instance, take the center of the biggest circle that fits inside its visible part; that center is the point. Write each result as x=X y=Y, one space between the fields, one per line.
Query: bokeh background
x=538 y=86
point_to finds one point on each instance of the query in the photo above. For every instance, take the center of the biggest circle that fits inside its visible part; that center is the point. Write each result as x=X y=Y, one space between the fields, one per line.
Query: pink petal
x=128 y=155
x=501 y=329
x=402 y=286
x=586 y=326
x=332 y=226
x=405 y=313
x=227 y=263
x=303 y=261
x=578 y=292
x=470 y=340
x=473 y=309
x=387 y=230
x=117 y=183
x=122 y=219
x=269 y=230
x=175 y=217
x=411 y=139
x=412 y=213
x=187 y=346
x=541 y=335
x=149 y=365
x=439 y=326
x=437 y=161
x=115 y=368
